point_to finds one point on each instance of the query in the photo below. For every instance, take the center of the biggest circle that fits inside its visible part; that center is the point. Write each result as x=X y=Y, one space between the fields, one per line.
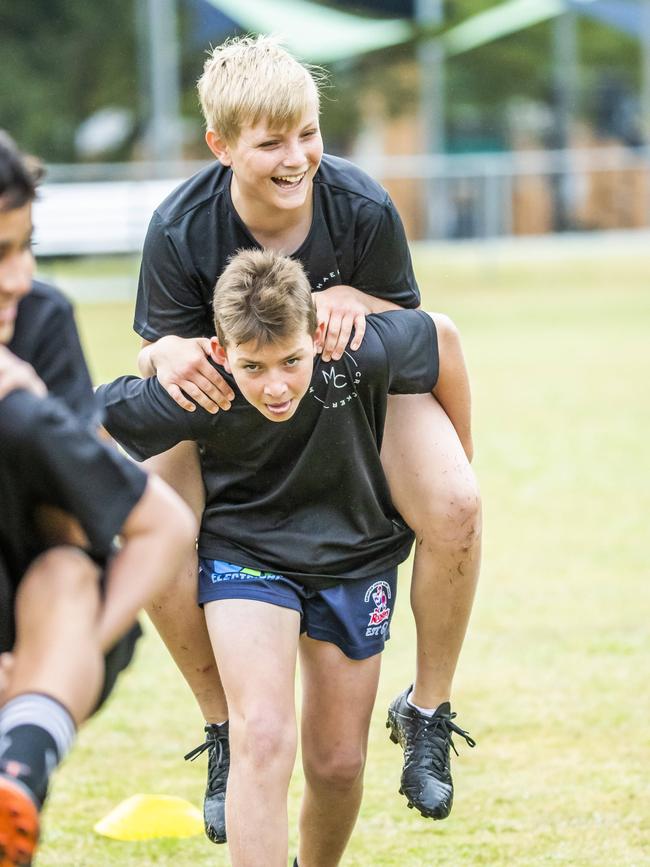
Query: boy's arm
x=182 y=368
x=452 y=390
x=141 y=416
x=342 y=308
x=157 y=538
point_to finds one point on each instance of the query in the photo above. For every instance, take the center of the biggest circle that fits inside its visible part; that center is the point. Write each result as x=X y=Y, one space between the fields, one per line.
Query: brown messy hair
x=262 y=297
x=19 y=175
x=253 y=78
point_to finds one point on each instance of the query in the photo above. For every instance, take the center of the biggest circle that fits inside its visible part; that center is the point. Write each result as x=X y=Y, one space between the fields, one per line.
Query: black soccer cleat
x=426 y=778
x=214 y=803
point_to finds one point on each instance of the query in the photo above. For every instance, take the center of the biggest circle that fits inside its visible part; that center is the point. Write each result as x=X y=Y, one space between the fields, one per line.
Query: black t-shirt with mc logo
x=307 y=497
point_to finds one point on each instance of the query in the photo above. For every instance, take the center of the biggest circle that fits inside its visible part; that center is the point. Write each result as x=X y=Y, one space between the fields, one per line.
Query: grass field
x=553 y=682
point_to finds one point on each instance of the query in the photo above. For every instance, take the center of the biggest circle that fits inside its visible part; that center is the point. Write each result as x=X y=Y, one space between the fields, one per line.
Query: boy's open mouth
x=279 y=408
x=288 y=181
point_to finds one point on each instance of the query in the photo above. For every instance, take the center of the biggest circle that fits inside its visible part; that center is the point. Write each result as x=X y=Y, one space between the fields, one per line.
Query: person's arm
x=341 y=309
x=157 y=538
x=382 y=277
x=452 y=390
x=182 y=368
x=142 y=417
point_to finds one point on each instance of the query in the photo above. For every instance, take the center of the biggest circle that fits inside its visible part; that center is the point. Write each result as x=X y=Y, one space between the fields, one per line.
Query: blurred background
x=483 y=119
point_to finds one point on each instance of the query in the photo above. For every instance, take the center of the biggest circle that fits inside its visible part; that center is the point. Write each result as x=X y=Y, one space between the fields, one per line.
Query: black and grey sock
x=36 y=733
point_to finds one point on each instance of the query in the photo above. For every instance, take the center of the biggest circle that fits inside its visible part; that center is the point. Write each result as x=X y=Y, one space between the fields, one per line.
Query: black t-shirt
x=46 y=336
x=307 y=497
x=356 y=238
x=48 y=457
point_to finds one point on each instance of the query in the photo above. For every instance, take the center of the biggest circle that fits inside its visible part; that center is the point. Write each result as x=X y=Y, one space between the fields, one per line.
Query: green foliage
x=61 y=61
x=553 y=677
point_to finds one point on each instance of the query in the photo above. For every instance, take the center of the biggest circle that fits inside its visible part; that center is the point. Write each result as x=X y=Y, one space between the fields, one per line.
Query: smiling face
x=16 y=265
x=273 y=169
x=273 y=378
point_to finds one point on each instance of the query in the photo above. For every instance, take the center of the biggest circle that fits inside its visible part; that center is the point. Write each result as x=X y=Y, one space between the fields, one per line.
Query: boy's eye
x=291 y=362
x=309 y=132
x=251 y=367
x=268 y=144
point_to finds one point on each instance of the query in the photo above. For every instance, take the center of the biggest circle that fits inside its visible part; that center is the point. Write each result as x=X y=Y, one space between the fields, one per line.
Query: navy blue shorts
x=354 y=615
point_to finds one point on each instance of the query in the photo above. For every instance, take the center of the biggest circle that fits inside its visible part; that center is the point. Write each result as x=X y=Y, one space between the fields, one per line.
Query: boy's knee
x=62 y=575
x=264 y=738
x=452 y=518
x=338 y=770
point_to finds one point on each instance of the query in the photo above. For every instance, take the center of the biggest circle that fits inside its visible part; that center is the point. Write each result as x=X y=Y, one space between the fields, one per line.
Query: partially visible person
x=70 y=595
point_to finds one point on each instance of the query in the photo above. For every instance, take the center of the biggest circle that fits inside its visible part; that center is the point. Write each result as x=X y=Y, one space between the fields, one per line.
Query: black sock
x=35 y=734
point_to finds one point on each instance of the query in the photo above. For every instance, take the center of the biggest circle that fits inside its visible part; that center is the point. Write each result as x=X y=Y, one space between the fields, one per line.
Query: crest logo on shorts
x=379 y=593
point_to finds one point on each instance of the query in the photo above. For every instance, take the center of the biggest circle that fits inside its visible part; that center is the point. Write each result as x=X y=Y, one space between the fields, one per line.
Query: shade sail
x=314 y=33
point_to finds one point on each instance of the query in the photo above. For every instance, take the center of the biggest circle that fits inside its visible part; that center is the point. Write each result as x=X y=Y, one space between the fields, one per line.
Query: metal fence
x=105 y=208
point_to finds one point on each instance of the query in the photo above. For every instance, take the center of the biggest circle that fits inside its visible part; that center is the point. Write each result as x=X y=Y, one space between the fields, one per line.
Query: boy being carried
x=273 y=187
x=300 y=540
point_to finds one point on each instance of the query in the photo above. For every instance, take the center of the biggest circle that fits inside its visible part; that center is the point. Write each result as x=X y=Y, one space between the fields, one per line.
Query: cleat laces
x=217 y=768
x=434 y=737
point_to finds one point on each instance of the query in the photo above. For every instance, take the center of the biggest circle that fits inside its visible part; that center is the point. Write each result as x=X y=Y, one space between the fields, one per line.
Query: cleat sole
x=19 y=824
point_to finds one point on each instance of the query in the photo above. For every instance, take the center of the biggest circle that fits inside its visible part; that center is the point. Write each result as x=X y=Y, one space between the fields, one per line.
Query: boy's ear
x=319 y=338
x=218 y=354
x=218 y=147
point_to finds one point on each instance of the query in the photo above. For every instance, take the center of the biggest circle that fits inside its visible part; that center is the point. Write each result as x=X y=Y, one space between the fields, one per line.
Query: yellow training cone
x=144 y=817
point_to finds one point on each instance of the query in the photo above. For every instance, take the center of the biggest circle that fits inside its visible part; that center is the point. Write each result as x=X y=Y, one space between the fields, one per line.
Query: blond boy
x=272 y=187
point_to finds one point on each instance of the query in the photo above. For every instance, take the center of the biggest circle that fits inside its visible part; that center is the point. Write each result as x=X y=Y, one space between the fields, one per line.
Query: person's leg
x=174 y=612
x=53 y=683
x=181 y=624
x=255 y=644
x=338 y=697
x=434 y=489
x=56 y=651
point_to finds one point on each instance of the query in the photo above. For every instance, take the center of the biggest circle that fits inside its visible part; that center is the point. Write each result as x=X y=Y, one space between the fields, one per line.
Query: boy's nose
x=294 y=154
x=275 y=387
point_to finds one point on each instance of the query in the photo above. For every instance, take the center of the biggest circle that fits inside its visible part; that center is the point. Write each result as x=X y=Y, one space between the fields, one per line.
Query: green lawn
x=553 y=682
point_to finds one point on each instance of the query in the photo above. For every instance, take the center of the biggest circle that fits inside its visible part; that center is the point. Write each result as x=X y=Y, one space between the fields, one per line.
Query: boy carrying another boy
x=299 y=542
x=273 y=188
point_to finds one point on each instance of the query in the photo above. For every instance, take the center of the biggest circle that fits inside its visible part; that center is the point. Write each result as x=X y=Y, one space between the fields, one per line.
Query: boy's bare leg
x=434 y=489
x=57 y=652
x=256 y=645
x=338 y=697
x=175 y=614
x=53 y=680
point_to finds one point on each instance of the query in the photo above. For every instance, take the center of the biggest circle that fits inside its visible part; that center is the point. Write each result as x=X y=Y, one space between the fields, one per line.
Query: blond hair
x=262 y=297
x=253 y=78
